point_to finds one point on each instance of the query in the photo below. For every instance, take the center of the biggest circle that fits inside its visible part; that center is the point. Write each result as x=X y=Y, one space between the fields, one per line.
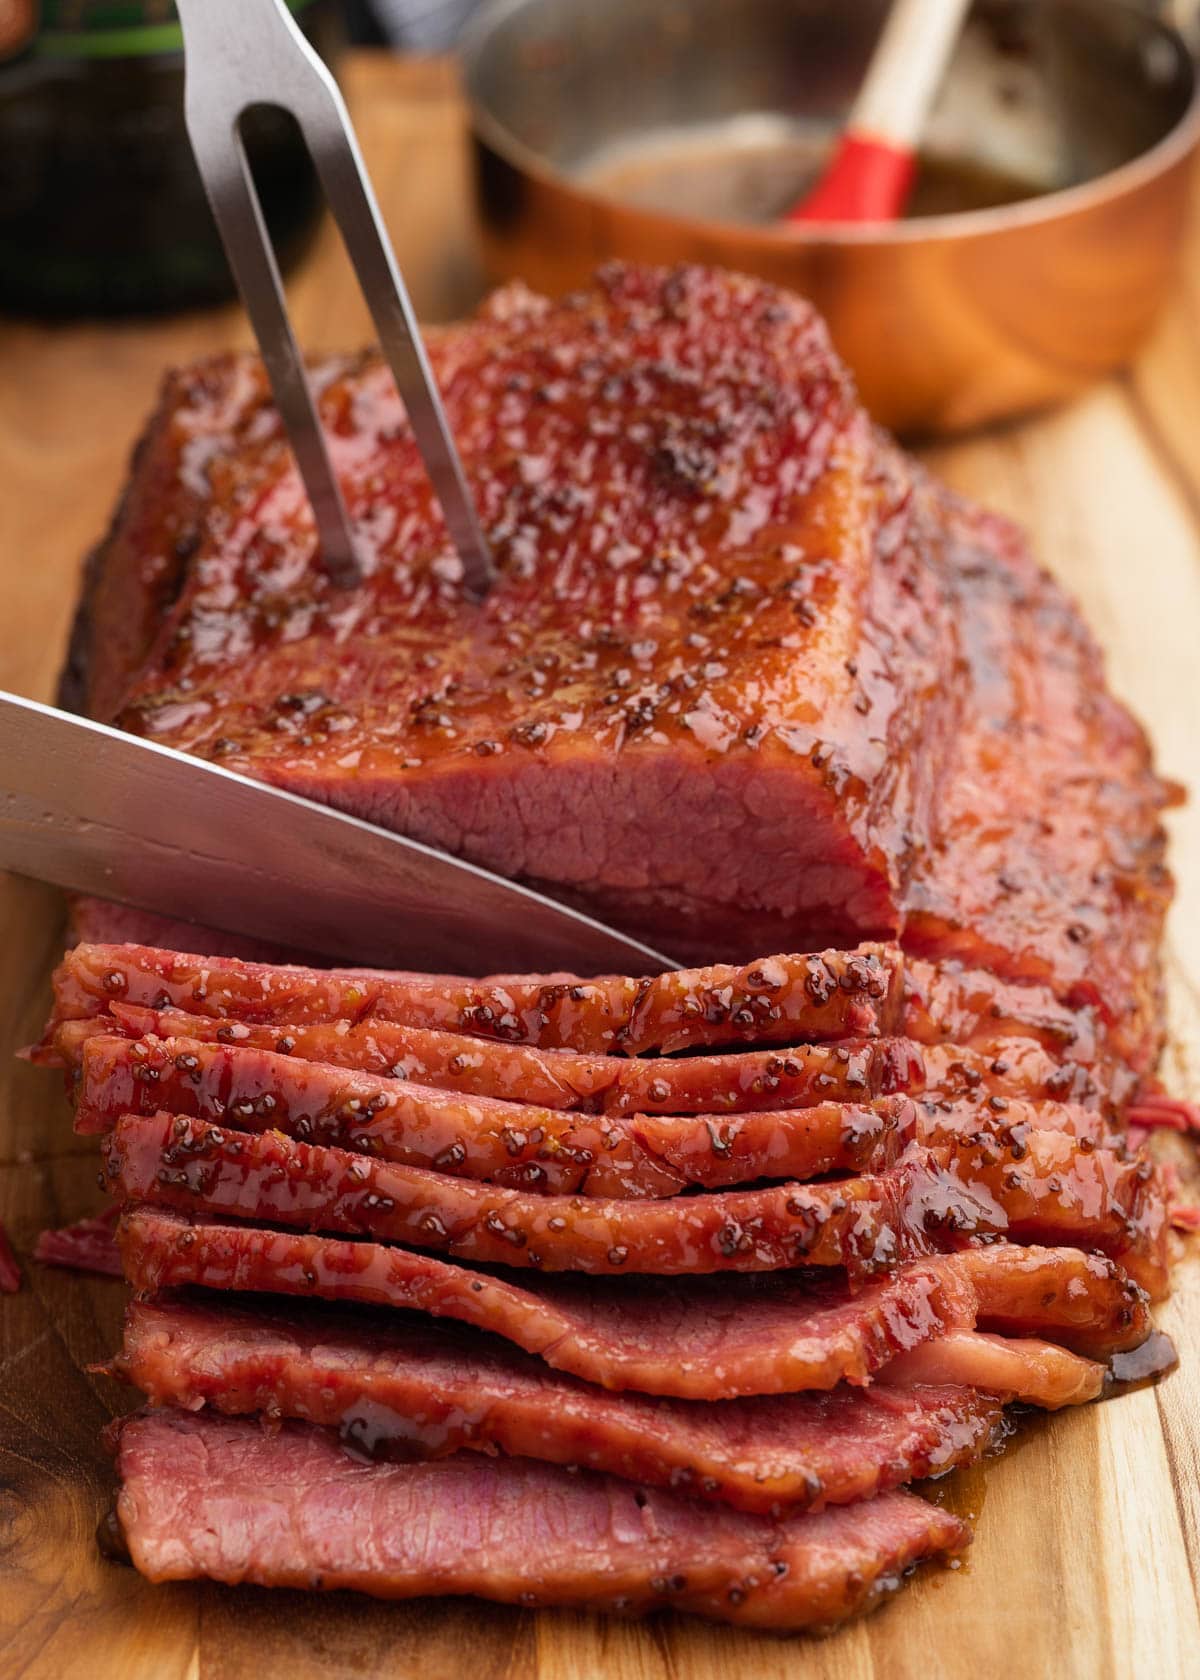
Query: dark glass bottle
x=101 y=207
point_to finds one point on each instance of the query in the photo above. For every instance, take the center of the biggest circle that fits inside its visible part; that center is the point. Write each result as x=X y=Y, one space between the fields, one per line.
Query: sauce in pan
x=751 y=169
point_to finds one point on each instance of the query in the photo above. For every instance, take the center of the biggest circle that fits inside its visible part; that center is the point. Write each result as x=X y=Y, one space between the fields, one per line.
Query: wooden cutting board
x=1088 y=1545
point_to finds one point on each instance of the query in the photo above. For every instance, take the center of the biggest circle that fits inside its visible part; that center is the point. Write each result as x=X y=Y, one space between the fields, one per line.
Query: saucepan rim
x=1137 y=172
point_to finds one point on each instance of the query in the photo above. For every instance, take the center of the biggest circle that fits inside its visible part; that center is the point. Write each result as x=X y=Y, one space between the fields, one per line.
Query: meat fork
x=242 y=53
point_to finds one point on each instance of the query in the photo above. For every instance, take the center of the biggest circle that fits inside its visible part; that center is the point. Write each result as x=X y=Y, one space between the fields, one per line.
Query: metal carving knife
x=102 y=812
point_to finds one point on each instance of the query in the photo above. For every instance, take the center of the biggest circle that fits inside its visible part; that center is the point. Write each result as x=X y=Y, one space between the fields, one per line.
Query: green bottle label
x=114 y=28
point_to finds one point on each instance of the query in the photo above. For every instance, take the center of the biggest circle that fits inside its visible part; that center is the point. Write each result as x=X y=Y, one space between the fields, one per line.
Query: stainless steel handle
x=242 y=53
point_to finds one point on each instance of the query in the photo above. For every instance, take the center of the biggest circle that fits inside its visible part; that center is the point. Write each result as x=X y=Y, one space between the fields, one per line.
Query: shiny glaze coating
x=802 y=1076
x=1011 y=1042
x=522 y=1144
x=821 y=996
x=678 y=488
x=945 y=1003
x=974 y=1119
x=1047 y=1187
x=1046 y=856
x=515 y=1144
x=866 y=1224
x=1006 y=1068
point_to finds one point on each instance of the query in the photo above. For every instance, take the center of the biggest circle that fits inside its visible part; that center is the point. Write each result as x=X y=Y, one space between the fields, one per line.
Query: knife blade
x=101 y=812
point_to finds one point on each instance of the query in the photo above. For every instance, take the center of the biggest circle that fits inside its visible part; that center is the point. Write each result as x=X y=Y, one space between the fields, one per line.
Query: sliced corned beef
x=514 y=1144
x=1046 y=1187
x=695 y=1338
x=428 y=1390
x=850 y=1070
x=774 y=1000
x=226 y=1499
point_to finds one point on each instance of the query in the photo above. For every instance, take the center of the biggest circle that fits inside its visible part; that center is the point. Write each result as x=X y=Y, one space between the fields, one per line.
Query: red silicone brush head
x=868 y=181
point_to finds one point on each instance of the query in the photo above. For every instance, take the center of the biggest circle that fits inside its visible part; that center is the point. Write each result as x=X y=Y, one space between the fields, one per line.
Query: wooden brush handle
x=906 y=70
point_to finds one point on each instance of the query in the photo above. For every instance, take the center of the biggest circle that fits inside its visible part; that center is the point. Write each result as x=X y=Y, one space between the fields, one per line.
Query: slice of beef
x=1044 y=1188
x=88 y=1245
x=430 y=1390
x=868 y=1224
x=519 y=1073
x=1086 y=1302
x=774 y=1000
x=1030 y=1370
x=520 y=1145
x=852 y=1070
x=695 y=1338
x=222 y=1498
x=712 y=1151
x=514 y=1144
x=1058 y=1189
x=559 y=1079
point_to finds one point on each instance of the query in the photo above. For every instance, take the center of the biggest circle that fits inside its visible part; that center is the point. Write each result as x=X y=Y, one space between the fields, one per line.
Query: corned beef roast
x=392 y=1330
x=619 y=1292
x=749 y=681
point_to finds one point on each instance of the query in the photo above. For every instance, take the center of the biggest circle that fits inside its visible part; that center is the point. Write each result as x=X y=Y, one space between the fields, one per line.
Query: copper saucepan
x=1085 y=112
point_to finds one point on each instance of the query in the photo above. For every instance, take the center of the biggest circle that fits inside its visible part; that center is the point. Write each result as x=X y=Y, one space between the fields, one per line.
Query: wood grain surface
x=1088 y=1547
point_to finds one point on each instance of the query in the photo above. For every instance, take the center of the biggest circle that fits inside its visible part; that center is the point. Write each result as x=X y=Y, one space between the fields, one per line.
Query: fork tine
x=352 y=201
x=238 y=214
